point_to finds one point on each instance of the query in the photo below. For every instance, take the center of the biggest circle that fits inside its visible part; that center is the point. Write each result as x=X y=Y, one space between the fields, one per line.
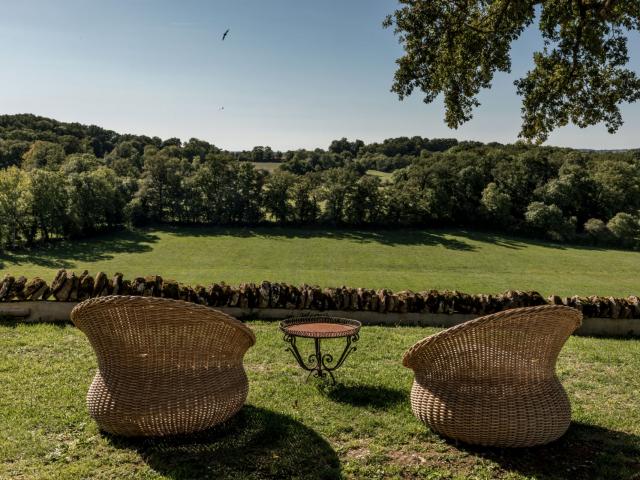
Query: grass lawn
x=385 y=177
x=268 y=166
x=400 y=259
x=363 y=428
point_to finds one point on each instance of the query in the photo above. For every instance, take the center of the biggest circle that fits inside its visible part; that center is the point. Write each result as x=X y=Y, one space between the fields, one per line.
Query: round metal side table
x=320 y=327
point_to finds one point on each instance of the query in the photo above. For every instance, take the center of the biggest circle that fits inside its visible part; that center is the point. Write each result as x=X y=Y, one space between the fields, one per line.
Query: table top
x=320 y=327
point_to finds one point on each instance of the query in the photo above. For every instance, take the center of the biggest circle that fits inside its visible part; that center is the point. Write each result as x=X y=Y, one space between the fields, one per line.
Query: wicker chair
x=492 y=381
x=164 y=366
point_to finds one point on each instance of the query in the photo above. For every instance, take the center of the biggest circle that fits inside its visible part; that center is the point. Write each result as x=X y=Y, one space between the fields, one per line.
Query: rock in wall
x=67 y=286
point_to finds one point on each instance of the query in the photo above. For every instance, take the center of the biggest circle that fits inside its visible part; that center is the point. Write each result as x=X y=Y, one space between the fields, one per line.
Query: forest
x=67 y=180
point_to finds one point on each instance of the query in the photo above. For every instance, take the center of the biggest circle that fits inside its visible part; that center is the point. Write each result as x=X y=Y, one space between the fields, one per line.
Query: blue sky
x=291 y=74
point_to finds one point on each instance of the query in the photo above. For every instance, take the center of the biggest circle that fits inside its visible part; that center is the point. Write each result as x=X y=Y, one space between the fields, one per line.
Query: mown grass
x=398 y=259
x=268 y=166
x=363 y=428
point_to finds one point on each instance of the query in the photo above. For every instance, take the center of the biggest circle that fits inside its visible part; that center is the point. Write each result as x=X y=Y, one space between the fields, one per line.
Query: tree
x=305 y=201
x=137 y=212
x=365 y=204
x=95 y=201
x=171 y=142
x=618 y=186
x=625 y=228
x=468 y=190
x=43 y=155
x=213 y=186
x=549 y=220
x=520 y=176
x=70 y=144
x=573 y=193
x=262 y=154
x=79 y=162
x=425 y=191
x=160 y=184
x=344 y=145
x=496 y=204
x=126 y=158
x=196 y=148
x=15 y=202
x=597 y=230
x=277 y=195
x=455 y=48
x=11 y=152
x=337 y=187
x=440 y=144
x=48 y=202
x=247 y=194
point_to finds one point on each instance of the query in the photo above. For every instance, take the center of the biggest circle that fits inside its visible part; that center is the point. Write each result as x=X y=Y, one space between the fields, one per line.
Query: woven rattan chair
x=492 y=381
x=164 y=366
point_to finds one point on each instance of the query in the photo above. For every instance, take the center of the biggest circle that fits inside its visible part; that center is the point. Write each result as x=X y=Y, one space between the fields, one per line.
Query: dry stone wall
x=69 y=287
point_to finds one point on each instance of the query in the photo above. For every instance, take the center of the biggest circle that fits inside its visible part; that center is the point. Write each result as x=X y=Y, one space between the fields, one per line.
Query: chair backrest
x=522 y=343
x=138 y=333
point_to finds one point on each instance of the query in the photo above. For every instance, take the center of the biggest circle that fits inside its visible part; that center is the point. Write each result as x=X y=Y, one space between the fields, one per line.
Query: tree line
x=61 y=180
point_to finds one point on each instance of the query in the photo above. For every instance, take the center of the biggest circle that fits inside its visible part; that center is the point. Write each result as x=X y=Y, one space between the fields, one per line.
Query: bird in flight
x=224 y=35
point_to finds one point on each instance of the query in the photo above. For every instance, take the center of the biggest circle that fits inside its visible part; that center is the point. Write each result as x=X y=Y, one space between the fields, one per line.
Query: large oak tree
x=454 y=47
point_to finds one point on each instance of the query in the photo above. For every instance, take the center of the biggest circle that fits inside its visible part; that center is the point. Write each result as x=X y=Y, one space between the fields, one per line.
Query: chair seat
x=125 y=409
x=164 y=366
x=491 y=381
x=493 y=413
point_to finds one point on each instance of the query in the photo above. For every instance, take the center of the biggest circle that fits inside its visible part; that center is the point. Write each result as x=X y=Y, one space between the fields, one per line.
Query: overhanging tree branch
x=455 y=48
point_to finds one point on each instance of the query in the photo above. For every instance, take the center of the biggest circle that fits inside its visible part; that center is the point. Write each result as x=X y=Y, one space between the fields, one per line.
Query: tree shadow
x=497 y=239
x=256 y=443
x=385 y=236
x=390 y=237
x=65 y=254
x=366 y=395
x=584 y=452
x=519 y=241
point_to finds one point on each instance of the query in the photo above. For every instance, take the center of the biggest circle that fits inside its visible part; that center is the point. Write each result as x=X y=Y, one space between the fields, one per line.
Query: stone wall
x=69 y=287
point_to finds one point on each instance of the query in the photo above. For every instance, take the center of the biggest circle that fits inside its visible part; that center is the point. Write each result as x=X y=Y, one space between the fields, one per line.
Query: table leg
x=319 y=364
x=348 y=349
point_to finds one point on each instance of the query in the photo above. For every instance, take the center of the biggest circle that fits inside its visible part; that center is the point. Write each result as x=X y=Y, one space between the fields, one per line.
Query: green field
x=362 y=428
x=401 y=259
x=268 y=166
x=385 y=177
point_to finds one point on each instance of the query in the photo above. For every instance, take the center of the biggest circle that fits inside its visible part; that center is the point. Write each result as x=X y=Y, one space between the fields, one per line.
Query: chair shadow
x=14 y=322
x=366 y=395
x=256 y=443
x=584 y=452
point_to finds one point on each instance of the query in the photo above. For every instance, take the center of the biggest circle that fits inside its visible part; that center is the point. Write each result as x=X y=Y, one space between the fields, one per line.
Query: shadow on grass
x=256 y=443
x=65 y=254
x=584 y=452
x=366 y=395
x=383 y=237
x=9 y=321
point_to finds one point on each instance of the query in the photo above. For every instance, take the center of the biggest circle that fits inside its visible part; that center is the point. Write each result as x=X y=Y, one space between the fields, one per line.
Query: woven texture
x=164 y=366
x=492 y=381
